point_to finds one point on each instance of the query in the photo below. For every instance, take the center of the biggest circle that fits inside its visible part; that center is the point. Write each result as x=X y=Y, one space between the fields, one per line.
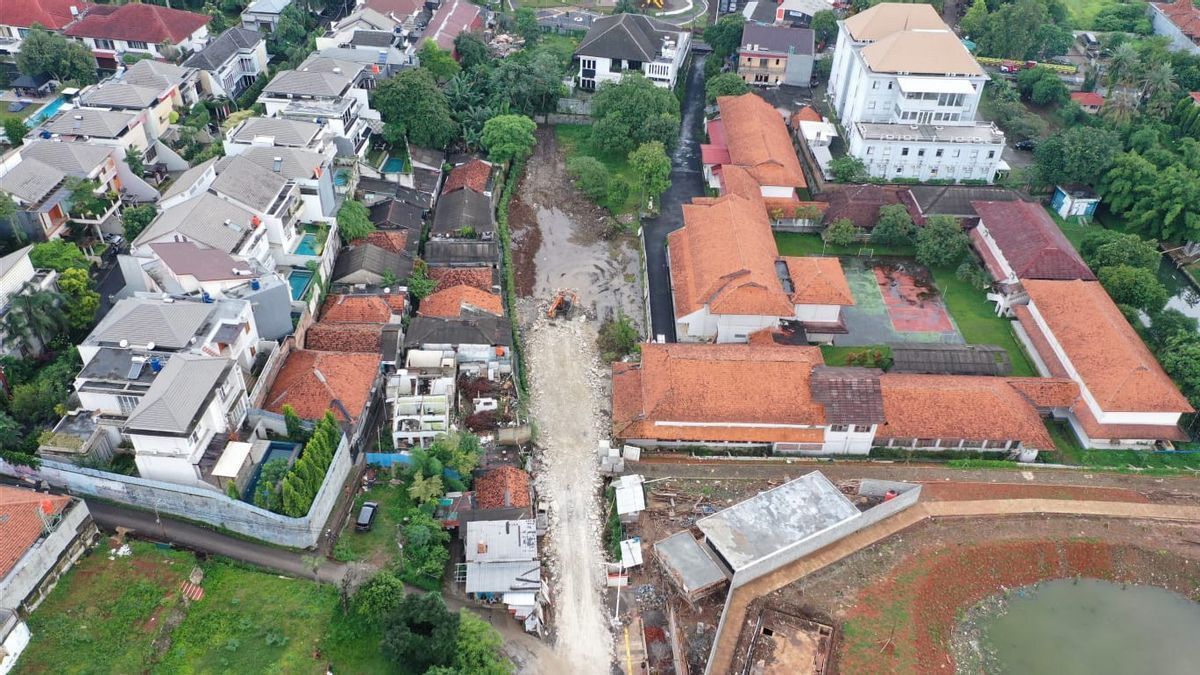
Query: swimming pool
x=45 y=113
x=341 y=178
x=308 y=245
x=275 y=450
x=299 y=281
x=393 y=165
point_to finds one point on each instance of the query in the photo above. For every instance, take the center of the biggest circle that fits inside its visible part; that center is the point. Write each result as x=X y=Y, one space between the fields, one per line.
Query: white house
x=152 y=90
x=17 y=276
x=311 y=172
x=112 y=31
x=230 y=63
x=906 y=91
x=119 y=128
x=20 y=16
x=421 y=405
x=263 y=15
x=623 y=43
x=47 y=167
x=331 y=93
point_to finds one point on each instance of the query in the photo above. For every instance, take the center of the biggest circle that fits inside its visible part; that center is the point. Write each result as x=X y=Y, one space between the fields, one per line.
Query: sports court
x=895 y=301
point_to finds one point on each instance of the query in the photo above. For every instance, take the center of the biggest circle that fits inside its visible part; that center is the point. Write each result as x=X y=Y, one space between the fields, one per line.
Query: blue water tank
x=206 y=297
x=255 y=284
x=156 y=364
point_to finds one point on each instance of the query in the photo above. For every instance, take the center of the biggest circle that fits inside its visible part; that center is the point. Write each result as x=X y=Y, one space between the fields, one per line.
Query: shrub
x=841 y=232
x=591 y=177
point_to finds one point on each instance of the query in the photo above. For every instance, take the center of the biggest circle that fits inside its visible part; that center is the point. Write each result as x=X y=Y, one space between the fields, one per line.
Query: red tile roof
x=1030 y=241
x=52 y=14
x=1087 y=98
x=20 y=524
x=450 y=303
x=968 y=407
x=758 y=139
x=714 y=155
x=721 y=392
x=365 y=338
x=1115 y=366
x=805 y=114
x=483 y=278
x=1184 y=15
x=311 y=381
x=390 y=240
x=1195 y=96
x=724 y=257
x=400 y=8
x=860 y=203
x=475 y=174
x=139 y=22
x=361 y=308
x=501 y=488
x=818 y=281
x=452 y=18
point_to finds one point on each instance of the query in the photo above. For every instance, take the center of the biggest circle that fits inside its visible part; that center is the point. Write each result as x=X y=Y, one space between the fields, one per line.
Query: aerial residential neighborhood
x=647 y=336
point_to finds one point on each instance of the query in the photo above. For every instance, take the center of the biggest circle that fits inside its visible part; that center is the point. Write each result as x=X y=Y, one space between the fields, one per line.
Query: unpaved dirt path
x=566 y=391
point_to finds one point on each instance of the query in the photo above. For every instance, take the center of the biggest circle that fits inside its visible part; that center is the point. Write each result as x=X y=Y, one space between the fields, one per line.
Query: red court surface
x=912 y=307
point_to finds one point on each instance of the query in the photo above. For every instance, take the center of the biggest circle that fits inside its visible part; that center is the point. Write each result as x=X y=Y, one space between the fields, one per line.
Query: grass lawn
x=106 y=616
x=977 y=321
x=575 y=140
x=1083 y=12
x=1067 y=448
x=798 y=244
x=378 y=545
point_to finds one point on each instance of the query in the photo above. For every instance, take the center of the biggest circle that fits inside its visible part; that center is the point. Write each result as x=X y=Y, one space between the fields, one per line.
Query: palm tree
x=1120 y=106
x=35 y=316
x=1123 y=60
x=1158 y=79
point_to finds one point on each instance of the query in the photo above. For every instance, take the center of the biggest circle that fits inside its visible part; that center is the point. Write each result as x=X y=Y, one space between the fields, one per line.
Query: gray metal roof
x=373 y=259
x=463 y=208
x=850 y=395
x=90 y=122
x=114 y=94
x=202 y=219
x=393 y=214
x=955 y=200
x=777 y=39
x=461 y=252
x=281 y=131
x=225 y=47
x=503 y=577
x=501 y=541
x=31 y=181
x=317 y=76
x=268 y=6
x=950 y=359
x=169 y=325
x=151 y=73
x=73 y=158
x=391 y=55
x=294 y=163
x=187 y=179
x=776 y=519
x=10 y=261
x=179 y=394
x=473 y=328
x=626 y=36
x=373 y=38
x=241 y=179
x=687 y=562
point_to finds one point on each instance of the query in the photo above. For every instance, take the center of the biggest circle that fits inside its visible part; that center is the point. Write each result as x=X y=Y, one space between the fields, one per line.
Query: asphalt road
x=687 y=181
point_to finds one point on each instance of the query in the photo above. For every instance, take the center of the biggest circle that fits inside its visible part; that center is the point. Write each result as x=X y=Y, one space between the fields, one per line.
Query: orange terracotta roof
x=818 y=281
x=20 y=524
x=1184 y=15
x=474 y=174
x=1116 y=367
x=482 y=278
x=361 y=308
x=501 y=488
x=391 y=240
x=968 y=407
x=450 y=303
x=1047 y=392
x=311 y=381
x=805 y=114
x=697 y=392
x=758 y=139
x=1087 y=98
x=344 y=337
x=1041 y=345
x=724 y=257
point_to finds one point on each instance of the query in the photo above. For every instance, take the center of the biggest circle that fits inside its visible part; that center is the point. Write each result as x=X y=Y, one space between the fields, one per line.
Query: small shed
x=630 y=496
x=1074 y=200
x=690 y=567
x=942 y=359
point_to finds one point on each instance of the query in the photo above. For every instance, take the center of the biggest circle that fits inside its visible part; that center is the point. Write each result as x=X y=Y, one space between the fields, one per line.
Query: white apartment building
x=623 y=43
x=907 y=91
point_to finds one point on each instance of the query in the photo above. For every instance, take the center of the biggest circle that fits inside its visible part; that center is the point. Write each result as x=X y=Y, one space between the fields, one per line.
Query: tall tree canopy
x=413 y=101
x=634 y=111
x=46 y=53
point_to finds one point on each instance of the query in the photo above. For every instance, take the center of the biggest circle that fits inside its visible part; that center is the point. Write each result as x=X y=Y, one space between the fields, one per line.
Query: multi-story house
x=112 y=31
x=631 y=42
x=149 y=89
x=312 y=173
x=230 y=63
x=331 y=93
x=775 y=55
x=18 y=16
x=118 y=128
x=451 y=18
x=907 y=91
x=38 y=177
x=263 y=15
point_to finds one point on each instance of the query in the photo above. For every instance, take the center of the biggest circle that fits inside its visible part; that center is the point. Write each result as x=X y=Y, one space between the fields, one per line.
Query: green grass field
x=796 y=244
x=1083 y=12
x=575 y=140
x=378 y=545
x=977 y=320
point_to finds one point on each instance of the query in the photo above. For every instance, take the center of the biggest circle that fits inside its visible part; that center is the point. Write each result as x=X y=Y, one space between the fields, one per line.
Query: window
x=957 y=152
x=870 y=149
x=776 y=61
x=134 y=44
x=938 y=153
x=972 y=444
x=889 y=85
x=760 y=79
x=127 y=403
x=762 y=63
x=904 y=152
x=899 y=169
x=874 y=85
x=921 y=152
x=839 y=428
x=926 y=442
x=863 y=428
x=871 y=105
x=991 y=154
x=105 y=44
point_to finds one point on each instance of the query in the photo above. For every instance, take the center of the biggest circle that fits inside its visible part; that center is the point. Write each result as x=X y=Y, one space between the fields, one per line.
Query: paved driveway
x=687 y=181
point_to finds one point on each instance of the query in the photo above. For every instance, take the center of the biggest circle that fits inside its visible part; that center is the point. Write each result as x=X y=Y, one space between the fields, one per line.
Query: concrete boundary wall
x=210 y=507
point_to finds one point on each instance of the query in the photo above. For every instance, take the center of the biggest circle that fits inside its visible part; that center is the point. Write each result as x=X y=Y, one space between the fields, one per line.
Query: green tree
x=894 y=227
x=11 y=435
x=975 y=21
x=80 y=297
x=1109 y=248
x=59 y=255
x=266 y=492
x=35 y=316
x=725 y=84
x=289 y=31
x=425 y=552
x=824 y=24
x=1134 y=286
x=941 y=242
x=848 y=169
x=627 y=7
x=634 y=111
x=413 y=101
x=354 y=221
x=618 y=194
x=618 y=338
x=421 y=633
x=972 y=273
x=508 y=137
x=1169 y=323
x=1180 y=357
x=458 y=451
x=297 y=430
x=652 y=167
x=8 y=212
x=1013 y=30
x=424 y=490
x=527 y=82
x=1171 y=209
x=725 y=35
x=15 y=130
x=1041 y=86
x=46 y=53
x=134 y=219
x=591 y=176
x=841 y=232
x=419 y=284
x=84 y=200
x=525 y=24
x=472 y=50
x=1077 y=155
x=133 y=159
x=378 y=598
x=439 y=62
x=478 y=648
x=34 y=402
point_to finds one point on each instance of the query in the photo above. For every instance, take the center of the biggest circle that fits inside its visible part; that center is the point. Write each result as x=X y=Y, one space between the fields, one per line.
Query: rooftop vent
x=276 y=164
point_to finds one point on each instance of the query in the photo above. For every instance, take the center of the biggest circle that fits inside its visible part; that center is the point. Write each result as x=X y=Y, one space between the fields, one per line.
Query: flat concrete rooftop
x=687 y=562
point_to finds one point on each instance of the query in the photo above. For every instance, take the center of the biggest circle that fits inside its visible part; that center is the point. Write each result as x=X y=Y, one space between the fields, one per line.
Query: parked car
x=114 y=239
x=1028 y=145
x=366 y=516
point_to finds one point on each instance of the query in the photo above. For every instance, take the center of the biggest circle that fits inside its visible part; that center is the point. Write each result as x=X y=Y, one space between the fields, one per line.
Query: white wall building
x=1178 y=22
x=907 y=91
x=329 y=92
x=631 y=42
x=230 y=63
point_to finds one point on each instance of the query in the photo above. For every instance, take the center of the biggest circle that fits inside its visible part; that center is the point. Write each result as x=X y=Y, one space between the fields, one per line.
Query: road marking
x=628 y=656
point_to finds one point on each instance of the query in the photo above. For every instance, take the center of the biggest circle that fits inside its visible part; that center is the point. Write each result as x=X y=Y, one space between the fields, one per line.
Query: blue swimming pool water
x=45 y=113
x=393 y=165
x=299 y=280
x=341 y=178
x=307 y=245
